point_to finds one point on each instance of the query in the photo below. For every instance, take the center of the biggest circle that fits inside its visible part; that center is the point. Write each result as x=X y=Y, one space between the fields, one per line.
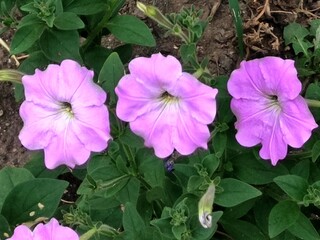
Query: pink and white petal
x=22 y=232
x=280 y=76
x=65 y=148
x=54 y=231
x=62 y=81
x=253 y=118
x=135 y=98
x=156 y=128
x=296 y=122
x=38 y=128
x=189 y=134
x=157 y=71
x=246 y=110
x=196 y=98
x=273 y=145
x=88 y=93
x=91 y=126
x=35 y=89
x=245 y=81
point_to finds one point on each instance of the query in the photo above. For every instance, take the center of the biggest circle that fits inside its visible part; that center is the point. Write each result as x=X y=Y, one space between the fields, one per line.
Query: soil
x=263 y=23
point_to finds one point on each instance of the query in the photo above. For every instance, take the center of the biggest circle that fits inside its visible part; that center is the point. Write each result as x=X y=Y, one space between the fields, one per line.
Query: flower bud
x=11 y=75
x=205 y=206
x=155 y=14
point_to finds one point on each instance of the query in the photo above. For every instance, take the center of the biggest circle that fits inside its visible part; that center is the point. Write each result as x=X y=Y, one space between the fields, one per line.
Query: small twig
x=5 y=45
x=68 y=202
x=214 y=8
x=266 y=8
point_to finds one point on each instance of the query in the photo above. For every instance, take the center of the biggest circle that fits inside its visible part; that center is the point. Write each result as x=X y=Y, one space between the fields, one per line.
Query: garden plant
x=156 y=146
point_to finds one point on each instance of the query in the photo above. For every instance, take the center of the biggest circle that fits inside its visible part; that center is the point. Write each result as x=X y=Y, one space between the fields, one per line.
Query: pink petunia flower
x=168 y=108
x=268 y=107
x=64 y=114
x=49 y=231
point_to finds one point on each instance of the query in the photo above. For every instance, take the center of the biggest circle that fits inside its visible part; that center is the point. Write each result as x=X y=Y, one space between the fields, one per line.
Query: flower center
x=274 y=102
x=168 y=98
x=67 y=108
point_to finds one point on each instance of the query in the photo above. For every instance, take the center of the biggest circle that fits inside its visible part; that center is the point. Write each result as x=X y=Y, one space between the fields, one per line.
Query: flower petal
x=158 y=71
x=280 y=77
x=273 y=145
x=196 y=98
x=135 y=98
x=37 y=130
x=54 y=231
x=22 y=232
x=296 y=122
x=93 y=129
x=65 y=148
x=189 y=134
x=156 y=128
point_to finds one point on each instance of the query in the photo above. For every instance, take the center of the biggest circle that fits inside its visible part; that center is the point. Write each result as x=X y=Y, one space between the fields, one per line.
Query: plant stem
x=313 y=103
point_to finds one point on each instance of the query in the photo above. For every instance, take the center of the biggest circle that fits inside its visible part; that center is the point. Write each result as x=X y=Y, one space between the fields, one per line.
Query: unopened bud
x=155 y=14
x=11 y=75
x=205 y=206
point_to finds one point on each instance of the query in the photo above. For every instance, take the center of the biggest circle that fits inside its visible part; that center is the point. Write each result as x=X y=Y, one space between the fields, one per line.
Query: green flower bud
x=205 y=206
x=11 y=76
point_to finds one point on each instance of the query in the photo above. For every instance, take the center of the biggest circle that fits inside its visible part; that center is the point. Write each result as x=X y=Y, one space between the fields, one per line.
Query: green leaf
x=313 y=92
x=295 y=33
x=110 y=74
x=30 y=19
x=58 y=45
x=9 y=178
x=94 y=57
x=132 y=221
x=36 y=166
x=251 y=170
x=131 y=139
x=282 y=216
x=295 y=186
x=33 y=199
x=242 y=230
x=86 y=7
x=130 y=192
x=315 y=151
x=130 y=29
x=211 y=163
x=25 y=37
x=235 y=192
x=304 y=229
x=219 y=143
x=4 y=227
x=68 y=21
x=302 y=169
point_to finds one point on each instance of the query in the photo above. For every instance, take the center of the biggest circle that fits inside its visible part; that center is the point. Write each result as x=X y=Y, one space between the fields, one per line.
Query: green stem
x=313 y=103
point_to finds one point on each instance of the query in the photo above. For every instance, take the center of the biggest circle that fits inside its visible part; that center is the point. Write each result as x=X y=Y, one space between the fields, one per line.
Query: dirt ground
x=263 y=22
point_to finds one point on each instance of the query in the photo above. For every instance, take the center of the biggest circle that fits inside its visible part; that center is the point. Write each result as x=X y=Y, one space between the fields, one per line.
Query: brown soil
x=263 y=28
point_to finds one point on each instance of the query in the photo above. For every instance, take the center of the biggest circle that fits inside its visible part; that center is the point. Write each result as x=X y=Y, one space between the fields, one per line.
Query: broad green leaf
x=261 y=214
x=187 y=52
x=5 y=230
x=86 y=7
x=251 y=170
x=163 y=224
x=314 y=26
x=110 y=74
x=9 y=178
x=36 y=166
x=302 y=169
x=282 y=216
x=33 y=199
x=295 y=186
x=130 y=192
x=68 y=21
x=235 y=192
x=219 y=143
x=211 y=163
x=94 y=57
x=130 y=29
x=304 y=229
x=58 y=45
x=242 y=230
x=25 y=37
x=131 y=139
x=295 y=33
x=239 y=210
x=313 y=92
x=30 y=19
x=132 y=221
